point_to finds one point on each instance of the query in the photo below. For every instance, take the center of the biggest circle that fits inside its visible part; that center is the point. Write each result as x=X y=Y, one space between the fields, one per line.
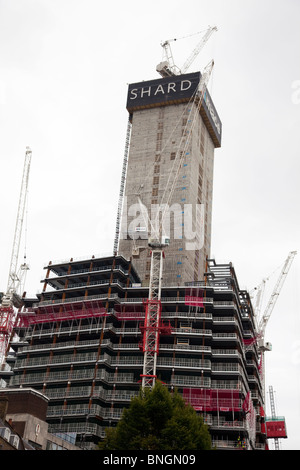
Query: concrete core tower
x=166 y=121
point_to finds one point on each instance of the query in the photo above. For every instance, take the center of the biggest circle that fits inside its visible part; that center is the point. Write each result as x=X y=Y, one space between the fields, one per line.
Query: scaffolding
x=134 y=311
x=208 y=399
x=192 y=297
x=70 y=340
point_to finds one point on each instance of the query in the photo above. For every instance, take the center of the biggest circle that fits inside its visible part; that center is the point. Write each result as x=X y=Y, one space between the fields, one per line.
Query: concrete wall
x=158 y=135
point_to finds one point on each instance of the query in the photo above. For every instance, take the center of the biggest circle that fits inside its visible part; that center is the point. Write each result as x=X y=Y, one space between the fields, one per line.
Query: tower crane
x=275 y=294
x=122 y=188
x=167 y=67
x=16 y=274
x=157 y=242
x=263 y=320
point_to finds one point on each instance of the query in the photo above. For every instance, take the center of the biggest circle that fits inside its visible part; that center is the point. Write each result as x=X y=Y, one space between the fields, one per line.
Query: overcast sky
x=64 y=70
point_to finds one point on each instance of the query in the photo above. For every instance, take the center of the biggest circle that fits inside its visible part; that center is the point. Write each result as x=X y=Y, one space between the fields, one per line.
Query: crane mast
x=15 y=274
x=273 y=412
x=122 y=188
x=152 y=325
x=167 y=67
x=262 y=323
x=276 y=291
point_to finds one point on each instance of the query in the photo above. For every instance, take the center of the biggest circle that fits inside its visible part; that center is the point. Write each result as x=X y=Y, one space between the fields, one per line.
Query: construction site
x=160 y=307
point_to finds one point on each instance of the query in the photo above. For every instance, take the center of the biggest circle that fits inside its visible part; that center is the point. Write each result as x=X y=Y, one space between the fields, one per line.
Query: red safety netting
x=250 y=416
x=130 y=311
x=213 y=399
x=248 y=342
x=88 y=309
x=194 y=297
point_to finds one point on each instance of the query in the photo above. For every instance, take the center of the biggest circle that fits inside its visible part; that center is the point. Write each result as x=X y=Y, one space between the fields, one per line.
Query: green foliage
x=158 y=420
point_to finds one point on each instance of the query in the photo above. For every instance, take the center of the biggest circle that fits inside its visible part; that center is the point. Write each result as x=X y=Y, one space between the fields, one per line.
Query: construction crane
x=16 y=274
x=122 y=188
x=275 y=294
x=265 y=316
x=167 y=67
x=157 y=242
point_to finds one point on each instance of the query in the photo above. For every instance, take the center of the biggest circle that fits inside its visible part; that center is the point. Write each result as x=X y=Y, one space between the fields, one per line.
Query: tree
x=158 y=420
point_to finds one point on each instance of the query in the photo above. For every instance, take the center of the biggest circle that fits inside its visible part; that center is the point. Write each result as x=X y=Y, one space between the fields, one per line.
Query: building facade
x=80 y=346
x=173 y=137
x=23 y=423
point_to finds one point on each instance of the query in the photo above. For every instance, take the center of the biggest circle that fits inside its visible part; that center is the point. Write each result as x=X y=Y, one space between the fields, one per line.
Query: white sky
x=64 y=70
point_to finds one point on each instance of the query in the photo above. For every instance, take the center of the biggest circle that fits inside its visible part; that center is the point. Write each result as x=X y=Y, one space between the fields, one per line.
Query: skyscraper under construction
x=168 y=123
x=81 y=343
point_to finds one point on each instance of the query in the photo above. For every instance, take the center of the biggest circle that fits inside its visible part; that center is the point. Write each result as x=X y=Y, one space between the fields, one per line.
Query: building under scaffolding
x=81 y=346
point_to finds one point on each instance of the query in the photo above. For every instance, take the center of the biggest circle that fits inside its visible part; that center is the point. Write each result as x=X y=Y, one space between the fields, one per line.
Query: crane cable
x=185 y=37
